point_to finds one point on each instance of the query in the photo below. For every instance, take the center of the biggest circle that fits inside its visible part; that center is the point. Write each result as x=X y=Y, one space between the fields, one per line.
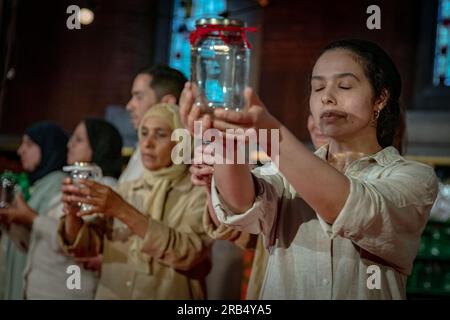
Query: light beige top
x=380 y=224
x=177 y=247
x=135 y=168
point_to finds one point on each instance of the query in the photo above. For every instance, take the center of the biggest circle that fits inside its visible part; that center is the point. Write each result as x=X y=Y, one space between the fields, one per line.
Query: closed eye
x=318 y=89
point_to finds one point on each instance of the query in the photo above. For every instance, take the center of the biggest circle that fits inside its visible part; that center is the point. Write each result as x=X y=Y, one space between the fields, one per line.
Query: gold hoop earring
x=376 y=114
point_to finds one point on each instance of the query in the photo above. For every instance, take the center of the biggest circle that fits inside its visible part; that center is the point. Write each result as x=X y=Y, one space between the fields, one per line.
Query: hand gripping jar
x=86 y=171
x=7 y=189
x=220 y=63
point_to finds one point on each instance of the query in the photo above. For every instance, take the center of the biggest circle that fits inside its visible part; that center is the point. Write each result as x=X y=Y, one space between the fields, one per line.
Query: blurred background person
x=93 y=141
x=166 y=255
x=42 y=154
x=159 y=84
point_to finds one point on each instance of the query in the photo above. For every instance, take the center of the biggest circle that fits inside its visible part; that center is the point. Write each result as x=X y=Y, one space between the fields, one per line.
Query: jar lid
x=219 y=22
x=80 y=166
x=8 y=175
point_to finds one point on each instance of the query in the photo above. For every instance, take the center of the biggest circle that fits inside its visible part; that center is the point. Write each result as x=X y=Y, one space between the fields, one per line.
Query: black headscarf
x=52 y=140
x=106 y=144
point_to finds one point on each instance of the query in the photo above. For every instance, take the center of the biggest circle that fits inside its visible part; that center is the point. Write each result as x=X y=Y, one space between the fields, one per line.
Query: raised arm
x=310 y=176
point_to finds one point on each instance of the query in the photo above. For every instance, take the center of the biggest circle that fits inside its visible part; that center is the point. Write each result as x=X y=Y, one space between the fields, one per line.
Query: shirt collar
x=383 y=157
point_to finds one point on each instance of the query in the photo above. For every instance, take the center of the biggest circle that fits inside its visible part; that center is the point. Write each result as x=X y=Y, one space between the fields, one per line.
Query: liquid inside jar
x=221 y=71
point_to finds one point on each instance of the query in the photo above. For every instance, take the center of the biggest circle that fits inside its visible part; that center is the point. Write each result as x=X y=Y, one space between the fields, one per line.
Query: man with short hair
x=159 y=84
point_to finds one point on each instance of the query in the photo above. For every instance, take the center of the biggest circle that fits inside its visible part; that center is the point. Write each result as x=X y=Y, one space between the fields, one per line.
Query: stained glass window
x=441 y=74
x=185 y=13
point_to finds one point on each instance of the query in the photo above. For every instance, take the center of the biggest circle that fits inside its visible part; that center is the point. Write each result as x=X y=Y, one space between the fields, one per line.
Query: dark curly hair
x=383 y=75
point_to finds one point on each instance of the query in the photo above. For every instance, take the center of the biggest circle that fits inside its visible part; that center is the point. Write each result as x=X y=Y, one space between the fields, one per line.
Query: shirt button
x=325 y=282
x=128 y=283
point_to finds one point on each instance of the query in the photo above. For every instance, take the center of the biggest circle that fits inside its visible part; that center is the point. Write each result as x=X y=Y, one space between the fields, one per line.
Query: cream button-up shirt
x=366 y=253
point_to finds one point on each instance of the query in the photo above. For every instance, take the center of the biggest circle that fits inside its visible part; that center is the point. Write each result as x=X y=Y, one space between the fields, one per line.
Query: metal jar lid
x=80 y=166
x=219 y=22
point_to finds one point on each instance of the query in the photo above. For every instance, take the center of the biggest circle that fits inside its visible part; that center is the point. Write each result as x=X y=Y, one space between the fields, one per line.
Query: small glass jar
x=7 y=190
x=220 y=63
x=86 y=171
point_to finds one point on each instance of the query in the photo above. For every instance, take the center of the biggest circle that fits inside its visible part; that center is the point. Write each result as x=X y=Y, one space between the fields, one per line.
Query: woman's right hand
x=189 y=112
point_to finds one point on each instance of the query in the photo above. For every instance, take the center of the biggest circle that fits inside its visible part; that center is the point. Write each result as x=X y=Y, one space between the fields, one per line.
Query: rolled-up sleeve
x=89 y=240
x=242 y=239
x=386 y=216
x=261 y=217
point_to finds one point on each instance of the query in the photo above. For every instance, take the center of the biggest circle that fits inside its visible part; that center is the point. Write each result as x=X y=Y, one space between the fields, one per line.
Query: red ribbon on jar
x=203 y=30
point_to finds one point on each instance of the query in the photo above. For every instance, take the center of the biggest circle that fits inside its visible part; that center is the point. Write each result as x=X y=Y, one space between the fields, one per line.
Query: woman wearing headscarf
x=166 y=255
x=42 y=154
x=46 y=277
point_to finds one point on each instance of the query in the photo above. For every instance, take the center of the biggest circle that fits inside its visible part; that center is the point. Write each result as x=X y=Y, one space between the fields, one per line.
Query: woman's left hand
x=102 y=198
x=19 y=212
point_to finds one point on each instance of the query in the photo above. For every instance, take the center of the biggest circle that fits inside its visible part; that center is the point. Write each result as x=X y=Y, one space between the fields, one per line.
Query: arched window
x=432 y=90
x=185 y=13
x=441 y=69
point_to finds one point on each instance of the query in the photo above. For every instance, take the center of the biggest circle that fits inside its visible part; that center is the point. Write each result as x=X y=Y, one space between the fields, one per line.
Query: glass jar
x=7 y=190
x=220 y=63
x=86 y=171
